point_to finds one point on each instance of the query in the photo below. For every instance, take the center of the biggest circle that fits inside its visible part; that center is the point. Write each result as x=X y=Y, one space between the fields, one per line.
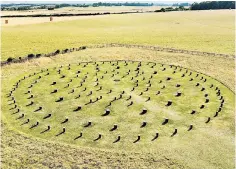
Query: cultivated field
x=209 y=31
x=78 y=10
x=38 y=20
x=139 y=112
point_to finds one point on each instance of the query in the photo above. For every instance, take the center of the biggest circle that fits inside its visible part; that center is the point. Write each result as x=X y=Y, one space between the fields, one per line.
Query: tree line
x=181 y=4
x=19 y=7
x=169 y=9
x=206 y=5
x=121 y=4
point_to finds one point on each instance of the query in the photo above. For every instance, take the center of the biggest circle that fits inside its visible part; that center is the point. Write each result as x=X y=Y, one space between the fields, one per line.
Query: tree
x=213 y=5
x=163 y=10
x=181 y=8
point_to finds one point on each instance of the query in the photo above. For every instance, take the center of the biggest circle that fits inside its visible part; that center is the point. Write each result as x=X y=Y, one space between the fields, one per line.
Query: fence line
x=155 y=48
x=165 y=49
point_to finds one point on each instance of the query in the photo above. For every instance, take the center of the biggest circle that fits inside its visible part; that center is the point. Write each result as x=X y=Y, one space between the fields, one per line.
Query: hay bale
x=57 y=52
x=30 y=56
x=10 y=59
x=38 y=55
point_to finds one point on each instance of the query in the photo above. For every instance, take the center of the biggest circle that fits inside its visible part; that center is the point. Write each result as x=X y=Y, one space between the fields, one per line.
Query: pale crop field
x=209 y=144
x=77 y=10
x=210 y=31
x=39 y=20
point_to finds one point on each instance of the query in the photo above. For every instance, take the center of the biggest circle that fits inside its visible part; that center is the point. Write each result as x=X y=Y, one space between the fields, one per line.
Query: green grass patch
x=208 y=146
x=125 y=88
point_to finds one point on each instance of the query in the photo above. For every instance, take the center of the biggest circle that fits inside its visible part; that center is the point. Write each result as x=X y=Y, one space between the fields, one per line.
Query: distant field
x=76 y=10
x=210 y=31
x=39 y=20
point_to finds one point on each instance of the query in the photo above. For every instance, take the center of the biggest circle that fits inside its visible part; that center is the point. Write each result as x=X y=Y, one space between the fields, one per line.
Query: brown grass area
x=20 y=151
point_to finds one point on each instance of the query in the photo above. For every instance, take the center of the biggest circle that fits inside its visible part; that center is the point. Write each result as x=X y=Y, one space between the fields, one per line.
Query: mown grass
x=126 y=118
x=209 y=146
x=211 y=31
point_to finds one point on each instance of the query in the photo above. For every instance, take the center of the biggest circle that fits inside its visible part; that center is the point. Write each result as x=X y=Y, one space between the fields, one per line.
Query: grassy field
x=88 y=90
x=211 y=31
x=208 y=146
x=183 y=151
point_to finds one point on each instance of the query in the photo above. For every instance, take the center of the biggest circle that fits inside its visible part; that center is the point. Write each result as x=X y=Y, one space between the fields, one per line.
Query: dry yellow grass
x=37 y=20
x=76 y=10
x=66 y=10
